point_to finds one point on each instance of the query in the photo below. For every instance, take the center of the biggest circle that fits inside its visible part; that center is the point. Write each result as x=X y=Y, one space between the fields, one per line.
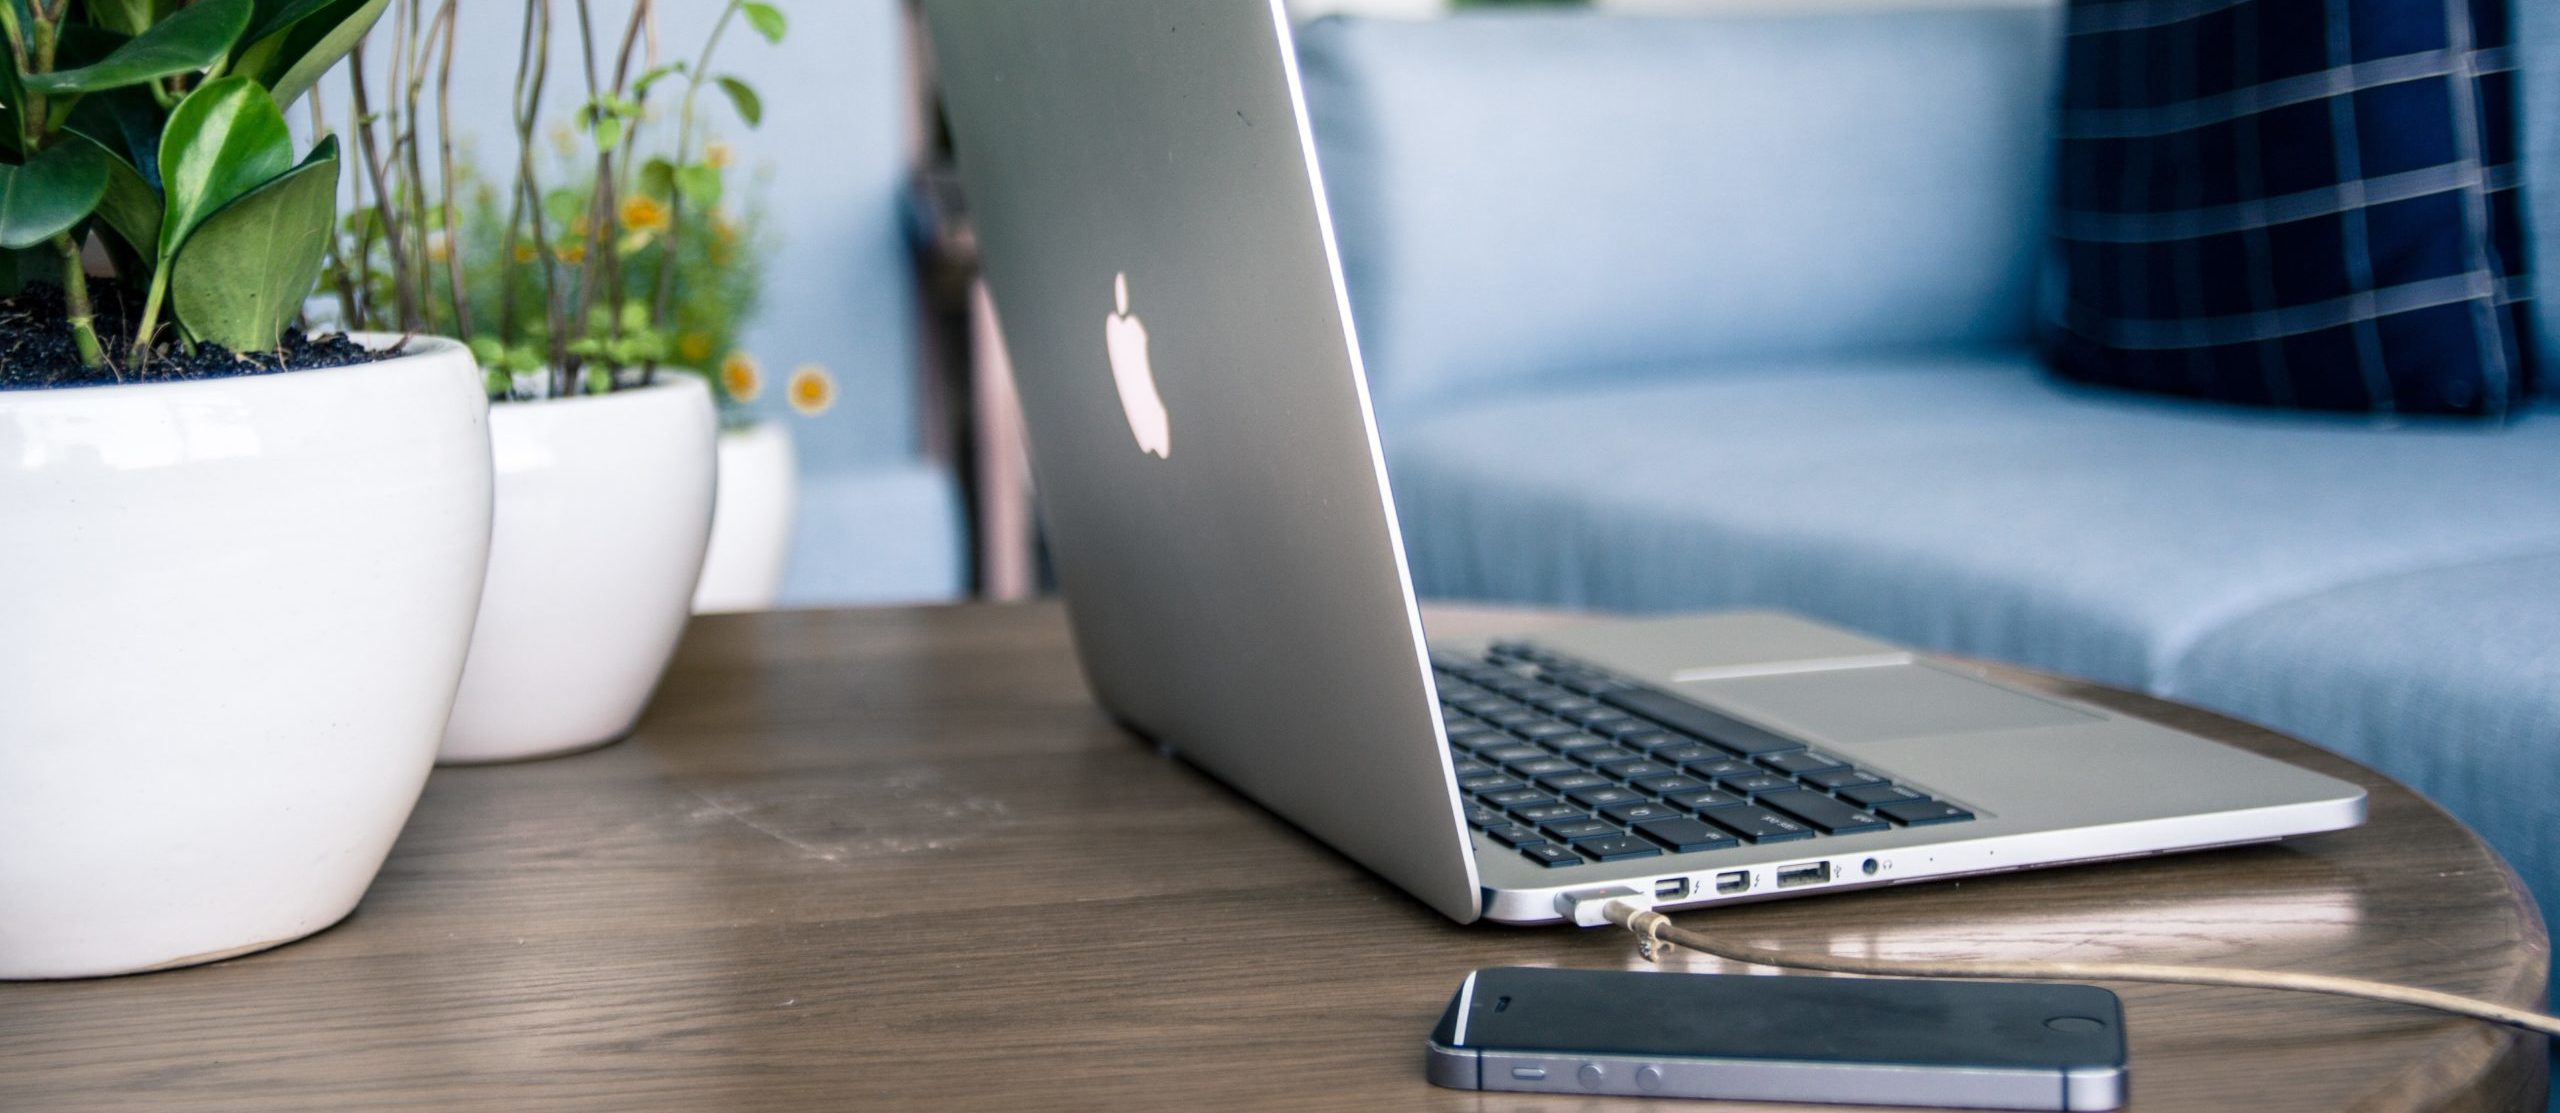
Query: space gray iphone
x=1865 y=1041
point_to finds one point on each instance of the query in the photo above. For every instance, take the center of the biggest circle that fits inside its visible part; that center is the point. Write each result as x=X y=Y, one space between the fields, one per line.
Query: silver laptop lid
x=1156 y=241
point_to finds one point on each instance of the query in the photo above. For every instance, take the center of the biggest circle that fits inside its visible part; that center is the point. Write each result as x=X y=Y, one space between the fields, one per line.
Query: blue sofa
x=1717 y=311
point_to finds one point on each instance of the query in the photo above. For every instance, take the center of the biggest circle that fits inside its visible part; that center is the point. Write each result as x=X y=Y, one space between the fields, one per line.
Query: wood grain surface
x=897 y=859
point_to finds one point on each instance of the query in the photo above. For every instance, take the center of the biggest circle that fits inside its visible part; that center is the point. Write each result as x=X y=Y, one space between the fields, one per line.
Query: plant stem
x=404 y=296
x=662 y=298
x=444 y=154
x=150 y=315
x=75 y=297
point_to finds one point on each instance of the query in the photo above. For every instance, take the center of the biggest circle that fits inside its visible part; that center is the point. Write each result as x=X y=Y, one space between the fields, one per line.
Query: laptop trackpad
x=1883 y=703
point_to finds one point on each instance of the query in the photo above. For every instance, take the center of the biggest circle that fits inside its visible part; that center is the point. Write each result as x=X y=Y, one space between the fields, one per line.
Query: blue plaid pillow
x=2305 y=203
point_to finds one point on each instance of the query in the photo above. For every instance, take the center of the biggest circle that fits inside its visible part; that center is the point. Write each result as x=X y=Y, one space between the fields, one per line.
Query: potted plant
x=605 y=464
x=244 y=561
x=716 y=284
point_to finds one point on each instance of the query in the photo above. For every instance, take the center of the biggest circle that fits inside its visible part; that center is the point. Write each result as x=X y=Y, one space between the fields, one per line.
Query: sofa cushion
x=2292 y=204
x=1966 y=503
x=2446 y=678
x=1529 y=196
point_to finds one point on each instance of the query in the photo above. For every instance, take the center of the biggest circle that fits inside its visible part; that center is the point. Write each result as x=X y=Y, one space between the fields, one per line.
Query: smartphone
x=1865 y=1041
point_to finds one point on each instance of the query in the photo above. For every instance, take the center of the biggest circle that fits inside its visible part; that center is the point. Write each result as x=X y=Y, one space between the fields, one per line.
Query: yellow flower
x=693 y=348
x=525 y=253
x=439 y=248
x=741 y=376
x=812 y=389
x=725 y=229
x=718 y=155
x=574 y=254
x=643 y=214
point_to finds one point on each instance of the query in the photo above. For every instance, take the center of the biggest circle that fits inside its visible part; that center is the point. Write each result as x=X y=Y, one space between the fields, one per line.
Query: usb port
x=1733 y=881
x=1810 y=873
x=1671 y=888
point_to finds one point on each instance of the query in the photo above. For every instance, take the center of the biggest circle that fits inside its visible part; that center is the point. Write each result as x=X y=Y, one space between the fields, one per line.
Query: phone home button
x=1592 y=1075
x=1649 y=1078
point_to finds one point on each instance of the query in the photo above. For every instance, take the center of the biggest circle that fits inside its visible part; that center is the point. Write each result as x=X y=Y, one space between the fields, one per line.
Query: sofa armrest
x=1521 y=197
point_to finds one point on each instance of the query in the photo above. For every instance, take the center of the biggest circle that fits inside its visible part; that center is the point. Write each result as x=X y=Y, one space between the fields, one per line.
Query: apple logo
x=1126 y=337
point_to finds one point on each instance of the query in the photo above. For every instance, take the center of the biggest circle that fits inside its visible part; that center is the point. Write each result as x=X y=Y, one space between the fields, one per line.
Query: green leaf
x=127 y=123
x=640 y=87
x=273 y=16
x=243 y=276
x=51 y=194
x=700 y=184
x=227 y=138
x=124 y=17
x=130 y=207
x=608 y=133
x=188 y=41
x=658 y=179
x=313 y=44
x=766 y=19
x=743 y=96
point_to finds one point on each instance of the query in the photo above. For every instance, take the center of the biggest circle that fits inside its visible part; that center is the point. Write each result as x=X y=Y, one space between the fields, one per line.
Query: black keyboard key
x=1641 y=812
x=1823 y=813
x=1604 y=755
x=1468 y=767
x=1868 y=796
x=1682 y=835
x=1571 y=782
x=1571 y=744
x=1636 y=732
x=1755 y=824
x=1684 y=752
x=1615 y=848
x=1548 y=812
x=1540 y=766
x=1666 y=785
x=1923 y=812
x=1800 y=762
x=1550 y=855
x=1689 y=718
x=1755 y=784
x=1542 y=730
x=1514 y=835
x=1843 y=777
x=1701 y=799
x=1569 y=707
x=1480 y=816
x=1599 y=717
x=1607 y=796
x=1567 y=830
x=1468 y=728
x=1517 y=798
x=1718 y=768
x=1513 y=716
x=1510 y=752
x=1635 y=767
x=1489 y=782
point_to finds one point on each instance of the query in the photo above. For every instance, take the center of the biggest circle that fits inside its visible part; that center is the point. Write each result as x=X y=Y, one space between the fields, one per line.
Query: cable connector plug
x=1590 y=907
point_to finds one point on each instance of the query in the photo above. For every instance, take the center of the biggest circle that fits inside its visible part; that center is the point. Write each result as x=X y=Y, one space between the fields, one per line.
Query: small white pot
x=603 y=510
x=232 y=617
x=751 y=524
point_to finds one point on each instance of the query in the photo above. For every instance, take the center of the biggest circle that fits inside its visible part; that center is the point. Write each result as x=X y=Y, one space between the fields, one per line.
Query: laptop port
x=1671 y=888
x=1733 y=881
x=1810 y=873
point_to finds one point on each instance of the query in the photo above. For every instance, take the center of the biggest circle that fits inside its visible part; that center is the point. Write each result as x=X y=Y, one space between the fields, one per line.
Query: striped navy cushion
x=2305 y=203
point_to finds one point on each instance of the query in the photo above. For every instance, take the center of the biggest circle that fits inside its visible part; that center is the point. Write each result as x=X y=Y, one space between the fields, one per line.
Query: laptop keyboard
x=1568 y=764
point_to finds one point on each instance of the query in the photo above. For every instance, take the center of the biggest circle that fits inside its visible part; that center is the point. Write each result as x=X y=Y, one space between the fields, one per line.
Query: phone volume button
x=1649 y=1078
x=1592 y=1075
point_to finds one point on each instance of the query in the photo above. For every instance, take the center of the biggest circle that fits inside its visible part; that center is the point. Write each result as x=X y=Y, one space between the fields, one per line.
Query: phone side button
x=1593 y=1076
x=1649 y=1078
x=1529 y=1074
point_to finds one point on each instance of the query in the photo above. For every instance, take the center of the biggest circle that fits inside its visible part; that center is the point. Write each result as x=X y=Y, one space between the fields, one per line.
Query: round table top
x=898 y=859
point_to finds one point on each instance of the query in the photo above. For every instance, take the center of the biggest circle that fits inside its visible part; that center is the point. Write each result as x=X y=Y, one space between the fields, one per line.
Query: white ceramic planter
x=751 y=523
x=603 y=511
x=232 y=617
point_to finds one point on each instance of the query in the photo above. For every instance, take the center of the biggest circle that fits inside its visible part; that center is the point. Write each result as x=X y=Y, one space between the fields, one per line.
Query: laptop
x=1155 y=238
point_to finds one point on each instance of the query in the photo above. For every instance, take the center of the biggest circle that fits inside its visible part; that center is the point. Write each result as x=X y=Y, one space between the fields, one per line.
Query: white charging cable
x=1654 y=930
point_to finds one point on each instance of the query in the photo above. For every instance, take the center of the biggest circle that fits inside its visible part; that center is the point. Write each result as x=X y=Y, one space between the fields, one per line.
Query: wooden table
x=896 y=859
